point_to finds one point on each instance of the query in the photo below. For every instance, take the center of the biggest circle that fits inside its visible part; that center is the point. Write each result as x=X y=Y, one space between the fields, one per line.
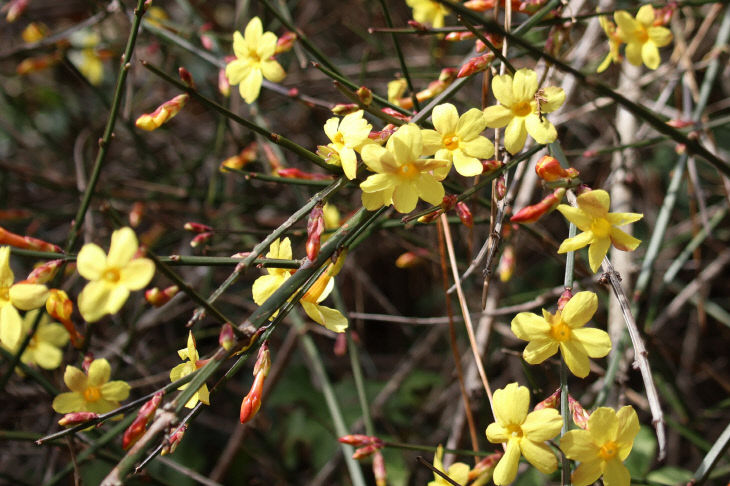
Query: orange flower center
x=608 y=451
x=451 y=142
x=4 y=293
x=560 y=332
x=111 y=275
x=601 y=228
x=339 y=138
x=522 y=108
x=92 y=394
x=641 y=34
x=408 y=171
x=514 y=430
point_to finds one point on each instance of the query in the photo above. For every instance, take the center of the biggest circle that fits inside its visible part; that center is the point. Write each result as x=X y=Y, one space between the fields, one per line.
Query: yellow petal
x=539 y=349
x=579 y=309
x=506 y=469
x=52 y=333
x=99 y=372
x=511 y=404
x=633 y=53
x=264 y=286
x=626 y=23
x=266 y=46
x=11 y=326
x=576 y=242
x=578 y=445
x=47 y=356
x=628 y=427
x=93 y=299
x=101 y=406
x=115 y=390
x=179 y=371
x=603 y=425
x=239 y=45
x=445 y=118
x=331 y=128
x=251 y=85
x=620 y=219
x=542 y=131
x=459 y=472
x=587 y=472
x=28 y=296
x=377 y=182
x=6 y=274
x=466 y=165
x=594 y=203
x=432 y=142
x=515 y=135
x=75 y=379
x=597 y=251
x=116 y=299
x=497 y=116
x=123 y=247
x=502 y=89
x=237 y=70
x=576 y=216
x=471 y=124
x=524 y=85
x=541 y=425
x=405 y=197
x=272 y=71
x=204 y=394
x=69 y=402
x=375 y=200
x=496 y=433
x=539 y=455
x=596 y=342
x=479 y=147
x=253 y=32
x=429 y=189
x=349 y=162
x=575 y=358
x=91 y=261
x=616 y=474
x=660 y=36
x=332 y=319
x=373 y=156
x=554 y=99
x=137 y=273
x=645 y=15
x=650 y=55
x=527 y=326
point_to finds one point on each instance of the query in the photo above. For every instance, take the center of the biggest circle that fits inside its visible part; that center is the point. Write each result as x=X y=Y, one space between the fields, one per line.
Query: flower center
x=608 y=451
x=339 y=138
x=514 y=431
x=111 y=275
x=560 y=332
x=522 y=108
x=601 y=228
x=642 y=34
x=4 y=293
x=408 y=171
x=92 y=394
x=451 y=142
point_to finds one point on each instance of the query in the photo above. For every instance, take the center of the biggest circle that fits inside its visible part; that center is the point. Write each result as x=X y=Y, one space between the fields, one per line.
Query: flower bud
x=315 y=228
x=138 y=427
x=475 y=65
x=501 y=188
x=485 y=466
x=88 y=359
x=263 y=360
x=564 y=298
x=26 y=242
x=383 y=135
x=224 y=87
x=507 y=263
x=157 y=298
x=549 y=169
x=15 y=9
x=550 y=402
x=458 y=36
x=186 y=77
x=34 y=32
x=58 y=305
x=530 y=214
x=174 y=440
x=417 y=25
x=164 y=113
x=364 y=95
x=244 y=157
x=285 y=42
x=580 y=416
x=76 y=418
x=44 y=272
x=356 y=440
x=464 y=213
x=381 y=475
x=226 y=338
x=365 y=451
x=37 y=63
x=340 y=347
x=490 y=165
x=395 y=114
x=343 y=109
x=194 y=227
x=136 y=213
x=200 y=239
x=292 y=173
x=448 y=202
x=252 y=401
x=411 y=259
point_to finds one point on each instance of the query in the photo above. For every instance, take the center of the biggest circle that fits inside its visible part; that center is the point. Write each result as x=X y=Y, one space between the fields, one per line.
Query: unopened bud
x=396 y=89
x=226 y=338
x=88 y=359
x=448 y=202
x=251 y=403
x=37 y=63
x=475 y=65
x=26 y=242
x=44 y=272
x=315 y=228
x=430 y=217
x=364 y=95
x=200 y=239
x=76 y=418
x=532 y=213
x=411 y=259
x=164 y=113
x=550 y=402
x=194 y=227
x=224 y=87
x=417 y=25
x=501 y=188
x=464 y=213
x=395 y=114
x=490 y=165
x=138 y=427
x=383 y=135
x=292 y=173
x=186 y=77
x=381 y=475
x=157 y=298
x=340 y=346
x=174 y=440
x=580 y=416
x=458 y=36
x=263 y=360
x=549 y=169
x=244 y=157
x=677 y=123
x=285 y=42
x=34 y=32
x=364 y=452
x=15 y=9
x=136 y=213
x=356 y=440
x=507 y=262
x=343 y=109
x=58 y=305
x=564 y=298
x=484 y=467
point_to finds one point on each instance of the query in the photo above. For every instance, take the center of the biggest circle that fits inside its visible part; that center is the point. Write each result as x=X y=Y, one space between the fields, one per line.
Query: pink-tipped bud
x=364 y=95
x=251 y=403
x=76 y=418
x=564 y=298
x=550 y=402
x=244 y=157
x=364 y=452
x=430 y=217
x=164 y=113
x=411 y=259
x=157 y=298
x=458 y=36
x=501 y=188
x=507 y=263
x=447 y=76
x=677 y=123
x=224 y=87
x=186 y=77
x=292 y=173
x=381 y=475
x=88 y=359
x=580 y=416
x=343 y=109
x=475 y=65
x=37 y=63
x=226 y=338
x=663 y=16
x=549 y=169
x=356 y=440
x=26 y=242
x=45 y=272
x=60 y=307
x=194 y=227
x=530 y=214
x=201 y=239
x=448 y=202
x=263 y=360
x=490 y=165
x=417 y=25
x=340 y=346
x=395 y=114
x=485 y=466
x=383 y=135
x=174 y=440
x=464 y=213
x=315 y=228
x=285 y=42
x=15 y=9
x=136 y=213
x=138 y=427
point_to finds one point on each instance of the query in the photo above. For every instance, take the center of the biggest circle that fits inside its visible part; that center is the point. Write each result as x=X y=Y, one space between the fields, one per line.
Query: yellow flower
x=85 y=57
x=598 y=226
x=266 y=285
x=113 y=276
x=44 y=349
x=614 y=43
x=524 y=433
x=254 y=51
x=522 y=108
x=428 y=12
x=602 y=447
x=23 y=296
x=347 y=136
x=458 y=140
x=190 y=353
x=564 y=330
x=92 y=391
x=458 y=471
x=402 y=177
x=643 y=39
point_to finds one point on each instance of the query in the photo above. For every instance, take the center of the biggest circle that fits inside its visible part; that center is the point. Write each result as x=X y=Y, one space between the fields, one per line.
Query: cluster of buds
x=446 y=77
x=76 y=418
x=173 y=440
x=60 y=307
x=315 y=228
x=164 y=113
x=157 y=298
x=203 y=233
x=530 y=214
x=252 y=401
x=26 y=242
x=135 y=431
x=366 y=445
x=238 y=162
x=293 y=173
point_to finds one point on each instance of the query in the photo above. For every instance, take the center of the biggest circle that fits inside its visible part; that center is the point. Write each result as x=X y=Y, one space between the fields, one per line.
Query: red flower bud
x=136 y=213
x=185 y=75
x=464 y=213
x=530 y=214
x=501 y=188
x=411 y=259
x=381 y=475
x=364 y=95
x=292 y=173
x=45 y=272
x=550 y=402
x=26 y=242
x=15 y=9
x=76 y=418
x=489 y=166
x=194 y=227
x=549 y=169
x=395 y=114
x=174 y=440
x=200 y=239
x=458 y=36
x=226 y=338
x=158 y=298
x=135 y=431
x=285 y=42
x=356 y=440
x=475 y=65
x=263 y=360
x=224 y=87
x=564 y=298
x=252 y=401
x=448 y=202
x=162 y=114
x=507 y=262
x=580 y=416
x=315 y=228
x=365 y=451
x=484 y=466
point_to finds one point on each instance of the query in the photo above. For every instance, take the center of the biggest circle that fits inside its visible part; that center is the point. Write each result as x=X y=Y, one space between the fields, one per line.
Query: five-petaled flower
x=44 y=348
x=598 y=227
x=428 y=12
x=266 y=285
x=524 y=433
x=458 y=139
x=602 y=447
x=401 y=175
x=564 y=330
x=347 y=136
x=14 y=296
x=254 y=60
x=111 y=276
x=458 y=471
x=91 y=391
x=522 y=108
x=190 y=353
x=643 y=38
x=614 y=43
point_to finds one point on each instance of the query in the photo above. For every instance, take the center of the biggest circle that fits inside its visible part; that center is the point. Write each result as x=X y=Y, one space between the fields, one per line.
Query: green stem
x=401 y=59
x=32 y=372
x=282 y=180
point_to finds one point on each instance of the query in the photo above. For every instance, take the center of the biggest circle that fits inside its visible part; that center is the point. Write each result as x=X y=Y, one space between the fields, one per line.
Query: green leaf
x=643 y=453
x=670 y=475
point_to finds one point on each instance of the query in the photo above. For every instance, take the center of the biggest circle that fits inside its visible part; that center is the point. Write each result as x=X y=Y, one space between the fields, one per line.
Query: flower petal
x=115 y=390
x=542 y=131
x=99 y=372
x=405 y=197
x=91 y=261
x=123 y=247
x=69 y=402
x=540 y=349
x=92 y=300
x=579 y=309
x=650 y=55
x=597 y=251
x=250 y=86
x=429 y=189
x=578 y=445
x=576 y=358
x=332 y=319
x=432 y=141
x=47 y=356
x=502 y=89
x=539 y=455
x=595 y=203
x=117 y=297
x=506 y=469
x=596 y=342
x=28 y=296
x=377 y=182
x=628 y=427
x=511 y=404
x=633 y=53
x=11 y=326
x=645 y=15
x=497 y=116
x=620 y=219
x=239 y=45
x=515 y=135
x=253 y=32
x=266 y=285
x=266 y=46
x=576 y=216
x=660 y=36
x=331 y=128
x=616 y=474
x=236 y=70
x=528 y=326
x=576 y=242
x=554 y=99
x=479 y=147
x=75 y=379
x=541 y=425
x=53 y=334
x=587 y=472
x=272 y=71
x=624 y=241
x=349 y=162
x=6 y=274
x=471 y=124
x=372 y=155
x=524 y=85
x=603 y=425
x=137 y=273
x=445 y=118
x=496 y=433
